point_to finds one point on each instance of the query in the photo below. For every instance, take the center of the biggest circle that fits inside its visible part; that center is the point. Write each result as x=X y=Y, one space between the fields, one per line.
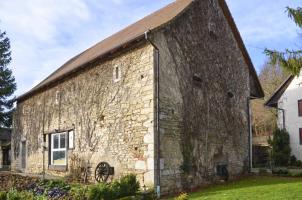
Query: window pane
x=56 y=141
x=58 y=158
x=62 y=141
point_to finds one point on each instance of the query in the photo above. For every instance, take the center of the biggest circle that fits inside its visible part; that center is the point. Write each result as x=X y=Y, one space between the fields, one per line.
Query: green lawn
x=253 y=188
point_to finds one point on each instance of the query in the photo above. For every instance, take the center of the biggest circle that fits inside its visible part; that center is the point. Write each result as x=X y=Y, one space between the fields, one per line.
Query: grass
x=268 y=188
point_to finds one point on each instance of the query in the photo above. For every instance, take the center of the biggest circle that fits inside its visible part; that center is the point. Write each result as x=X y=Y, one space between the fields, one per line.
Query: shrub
x=49 y=184
x=101 y=191
x=280 y=171
x=182 y=196
x=2 y=195
x=79 y=193
x=280 y=147
x=148 y=195
x=293 y=160
x=295 y=174
x=262 y=171
x=94 y=193
x=298 y=163
x=15 y=195
x=128 y=185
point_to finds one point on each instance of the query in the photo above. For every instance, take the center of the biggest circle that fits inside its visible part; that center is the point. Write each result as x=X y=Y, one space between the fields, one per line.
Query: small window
x=300 y=135
x=116 y=73
x=57 y=97
x=58 y=149
x=300 y=108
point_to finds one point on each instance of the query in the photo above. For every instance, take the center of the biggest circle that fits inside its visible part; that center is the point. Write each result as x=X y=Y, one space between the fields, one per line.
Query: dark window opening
x=300 y=108
x=116 y=73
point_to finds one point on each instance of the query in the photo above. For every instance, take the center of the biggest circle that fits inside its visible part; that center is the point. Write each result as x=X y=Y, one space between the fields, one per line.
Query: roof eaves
x=109 y=52
x=273 y=100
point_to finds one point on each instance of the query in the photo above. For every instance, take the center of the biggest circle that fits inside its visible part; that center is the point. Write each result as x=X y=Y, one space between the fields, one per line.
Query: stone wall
x=112 y=120
x=204 y=86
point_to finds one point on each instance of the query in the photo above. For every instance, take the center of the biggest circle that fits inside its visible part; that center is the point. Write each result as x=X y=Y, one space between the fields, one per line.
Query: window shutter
x=300 y=135
x=300 y=107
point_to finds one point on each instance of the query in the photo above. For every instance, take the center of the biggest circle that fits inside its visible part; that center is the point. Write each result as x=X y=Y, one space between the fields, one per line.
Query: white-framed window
x=117 y=73
x=58 y=148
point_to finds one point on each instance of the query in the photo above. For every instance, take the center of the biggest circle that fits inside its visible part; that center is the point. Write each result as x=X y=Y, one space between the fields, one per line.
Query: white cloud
x=260 y=20
x=36 y=29
x=44 y=34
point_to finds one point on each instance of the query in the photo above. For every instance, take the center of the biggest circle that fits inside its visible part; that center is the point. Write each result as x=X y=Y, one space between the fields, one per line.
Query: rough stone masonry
x=205 y=81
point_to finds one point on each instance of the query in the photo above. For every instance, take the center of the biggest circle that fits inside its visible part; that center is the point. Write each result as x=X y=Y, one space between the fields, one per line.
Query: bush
x=182 y=196
x=78 y=193
x=49 y=184
x=293 y=160
x=126 y=186
x=280 y=171
x=148 y=195
x=262 y=171
x=295 y=174
x=298 y=163
x=94 y=193
x=280 y=147
x=15 y=195
x=102 y=191
x=2 y=195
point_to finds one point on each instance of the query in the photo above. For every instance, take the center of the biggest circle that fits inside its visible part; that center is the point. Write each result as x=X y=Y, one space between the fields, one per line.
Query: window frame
x=299 y=111
x=117 y=73
x=52 y=149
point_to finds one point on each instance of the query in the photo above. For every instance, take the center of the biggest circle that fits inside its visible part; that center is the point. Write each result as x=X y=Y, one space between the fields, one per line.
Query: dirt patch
x=19 y=182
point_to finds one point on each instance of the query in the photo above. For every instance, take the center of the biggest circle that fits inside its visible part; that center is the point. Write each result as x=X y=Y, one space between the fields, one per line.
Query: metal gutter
x=157 y=115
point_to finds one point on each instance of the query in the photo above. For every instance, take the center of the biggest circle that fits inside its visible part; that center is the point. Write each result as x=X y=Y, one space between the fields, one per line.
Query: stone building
x=167 y=98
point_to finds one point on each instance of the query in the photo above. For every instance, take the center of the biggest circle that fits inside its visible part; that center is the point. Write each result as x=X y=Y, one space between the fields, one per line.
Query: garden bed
x=16 y=186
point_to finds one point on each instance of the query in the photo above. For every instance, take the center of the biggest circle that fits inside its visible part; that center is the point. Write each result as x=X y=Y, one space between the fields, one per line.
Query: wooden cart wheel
x=102 y=172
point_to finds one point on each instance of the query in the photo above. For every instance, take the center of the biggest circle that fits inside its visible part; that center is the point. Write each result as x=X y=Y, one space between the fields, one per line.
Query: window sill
x=60 y=168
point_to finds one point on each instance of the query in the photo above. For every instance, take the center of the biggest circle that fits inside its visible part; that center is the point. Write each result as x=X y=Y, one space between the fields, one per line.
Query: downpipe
x=250 y=134
x=157 y=116
x=283 y=117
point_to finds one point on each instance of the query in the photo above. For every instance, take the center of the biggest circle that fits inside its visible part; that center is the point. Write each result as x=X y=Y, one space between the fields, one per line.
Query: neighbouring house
x=5 y=148
x=287 y=99
x=166 y=98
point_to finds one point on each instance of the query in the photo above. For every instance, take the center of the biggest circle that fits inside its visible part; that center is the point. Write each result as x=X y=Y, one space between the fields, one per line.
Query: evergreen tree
x=280 y=147
x=7 y=82
x=291 y=60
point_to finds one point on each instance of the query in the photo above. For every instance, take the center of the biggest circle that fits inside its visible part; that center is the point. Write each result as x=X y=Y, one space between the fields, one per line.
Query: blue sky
x=45 y=34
